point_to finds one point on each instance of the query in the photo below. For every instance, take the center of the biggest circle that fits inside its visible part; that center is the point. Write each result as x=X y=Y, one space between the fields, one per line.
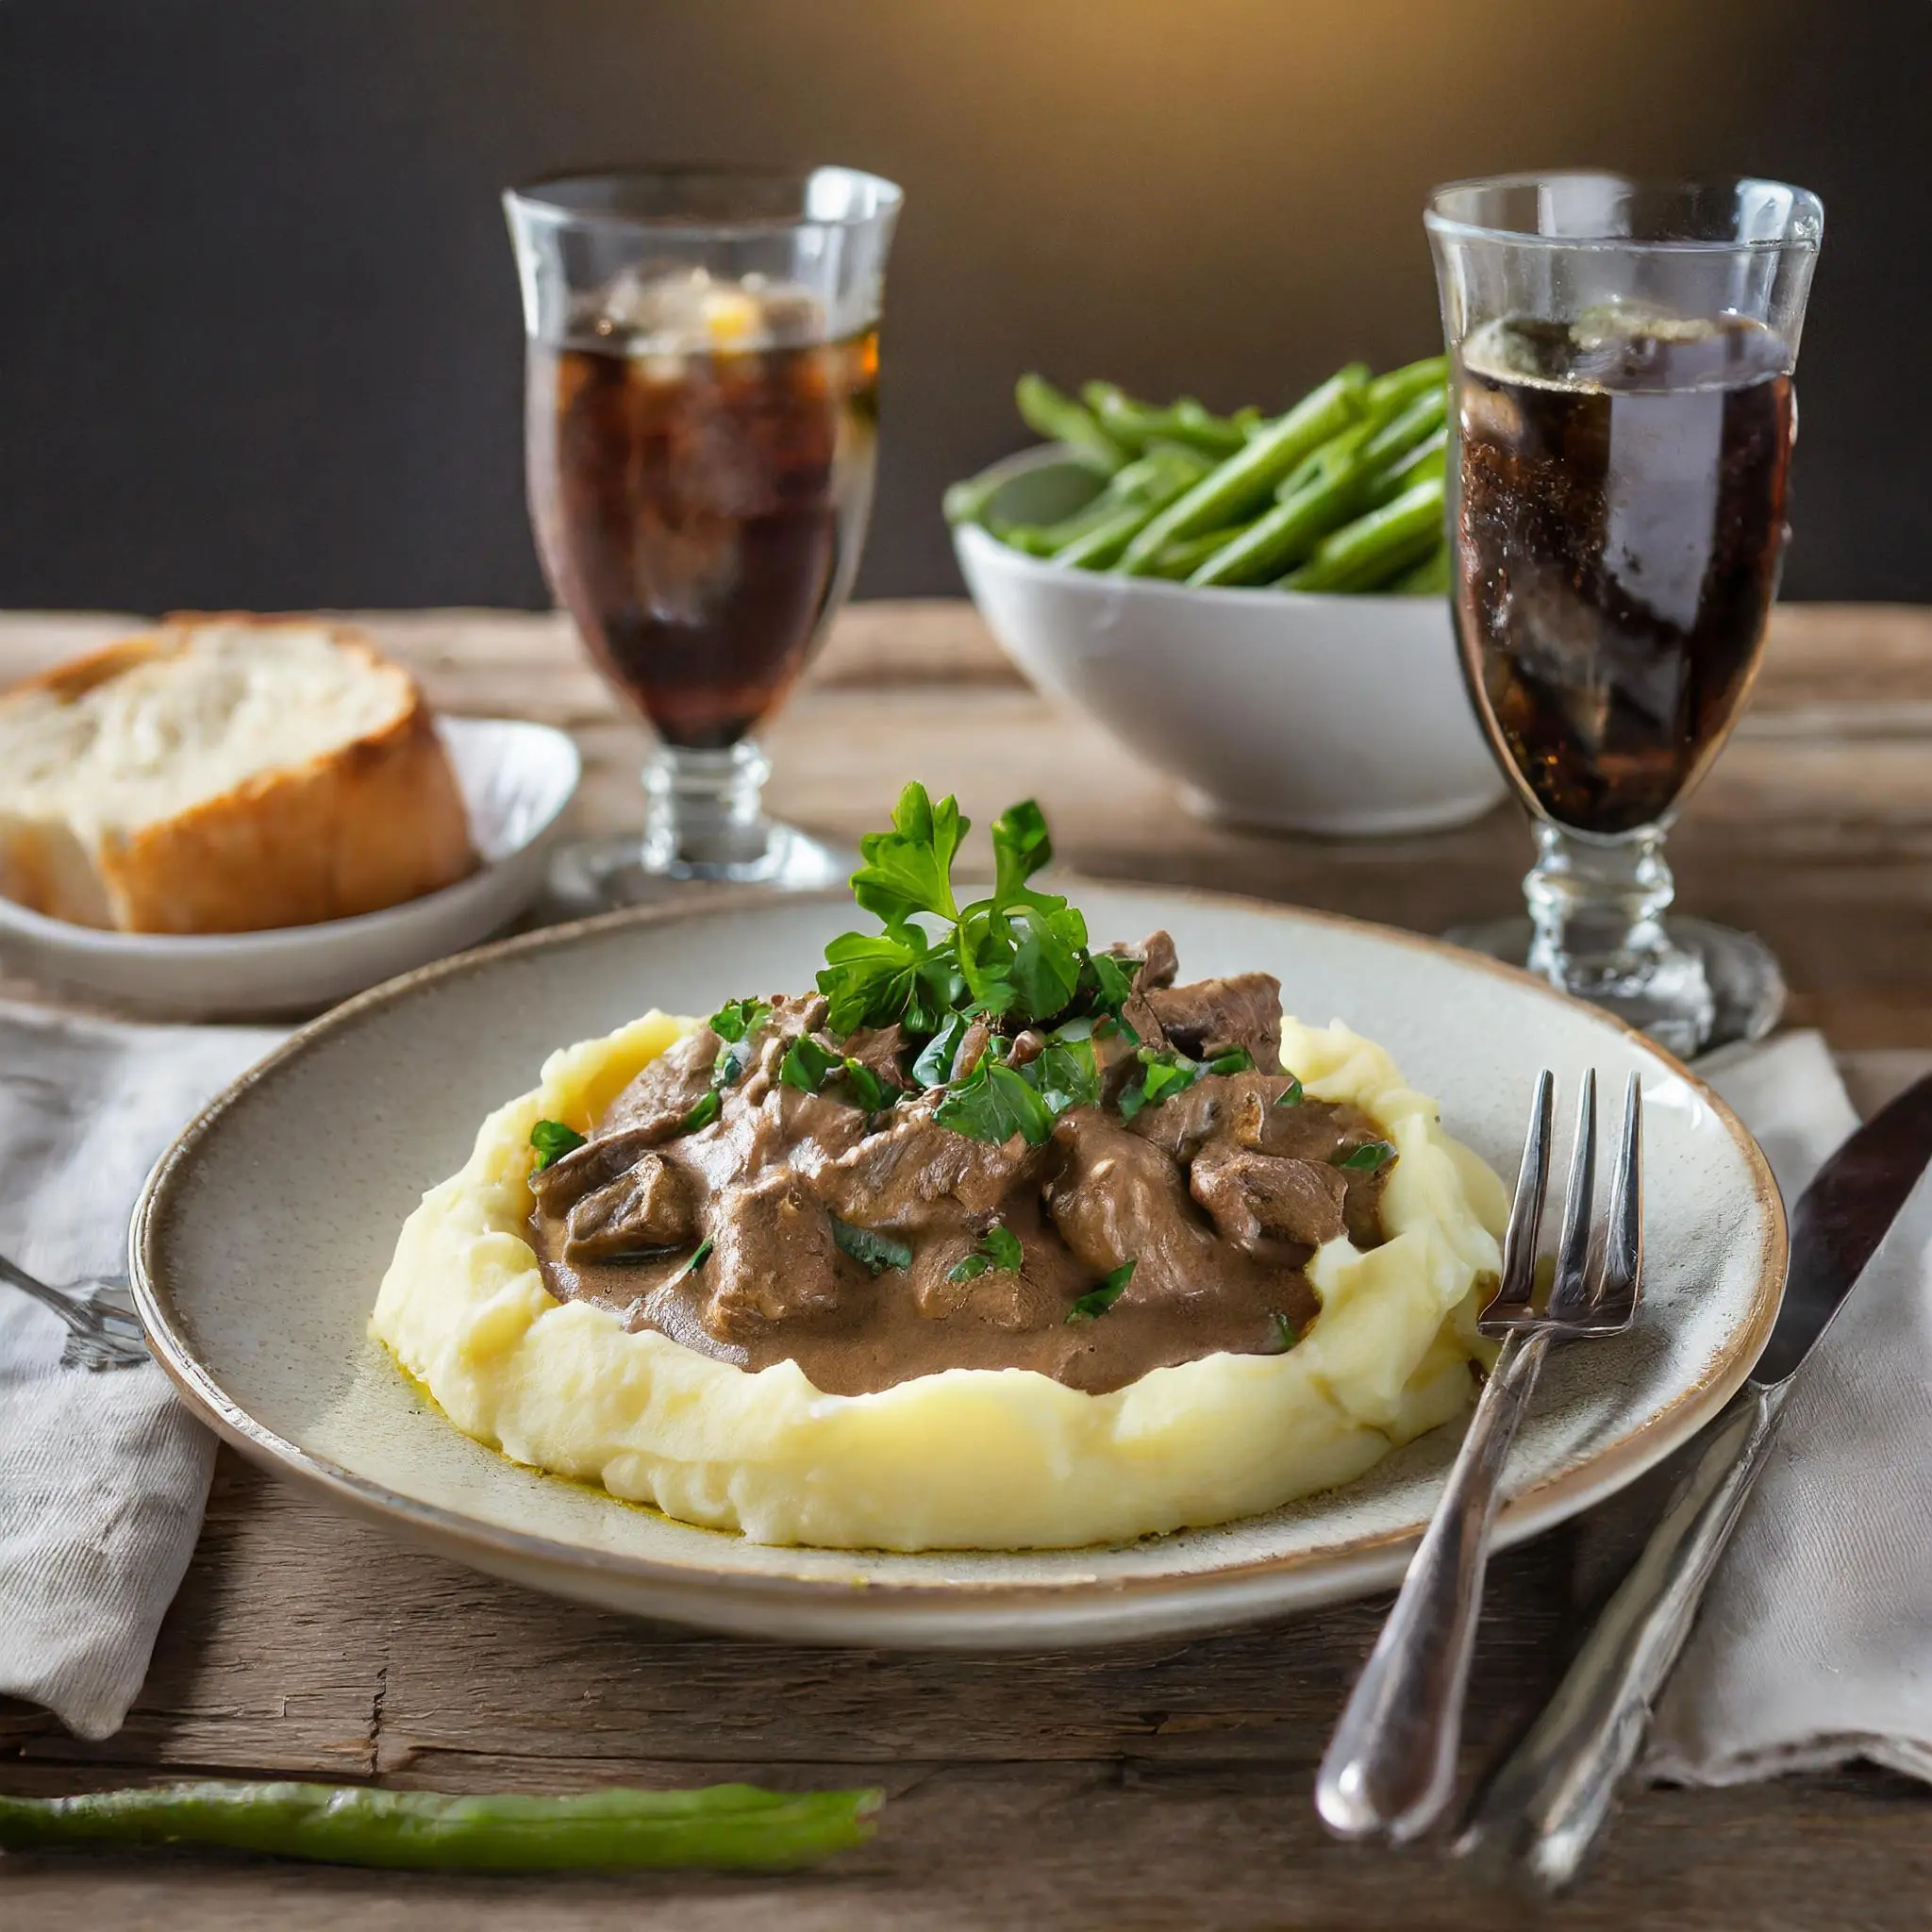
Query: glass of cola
x=1622 y=354
x=701 y=381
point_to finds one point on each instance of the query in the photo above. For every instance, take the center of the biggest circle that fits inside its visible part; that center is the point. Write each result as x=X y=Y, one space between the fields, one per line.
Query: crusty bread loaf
x=224 y=773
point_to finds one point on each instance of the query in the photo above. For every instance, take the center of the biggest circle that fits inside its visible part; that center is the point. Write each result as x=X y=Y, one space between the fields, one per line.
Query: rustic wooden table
x=1151 y=1783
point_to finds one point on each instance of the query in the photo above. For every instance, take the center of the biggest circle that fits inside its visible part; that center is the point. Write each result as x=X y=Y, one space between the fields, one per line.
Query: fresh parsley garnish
x=553 y=1141
x=735 y=1022
x=876 y=1252
x=1235 y=1060
x=703 y=1113
x=1366 y=1159
x=999 y=1247
x=1096 y=1301
x=867 y=1088
x=1292 y=1094
x=808 y=1065
x=1019 y=954
x=1165 y=1073
x=1286 y=1333
x=934 y=1066
x=1066 y=1072
x=993 y=1103
x=740 y=1019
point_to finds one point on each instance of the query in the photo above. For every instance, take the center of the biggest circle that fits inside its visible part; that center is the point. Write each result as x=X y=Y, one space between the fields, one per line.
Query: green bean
x=1136 y=425
x=1293 y=528
x=1429 y=578
x=1180 y=561
x=1372 y=546
x=1246 y=480
x=1427 y=459
x=1402 y=431
x=1103 y=546
x=724 y=1826
x=1411 y=379
x=1061 y=419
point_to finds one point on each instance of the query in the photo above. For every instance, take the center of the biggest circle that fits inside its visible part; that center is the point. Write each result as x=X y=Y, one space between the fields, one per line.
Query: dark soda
x=1620 y=522
x=699 y=510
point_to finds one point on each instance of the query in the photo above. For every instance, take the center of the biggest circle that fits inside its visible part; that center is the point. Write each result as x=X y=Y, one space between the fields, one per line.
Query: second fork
x=1391 y=1766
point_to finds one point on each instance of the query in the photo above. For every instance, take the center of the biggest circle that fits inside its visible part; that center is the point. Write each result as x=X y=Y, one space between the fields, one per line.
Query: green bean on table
x=736 y=1827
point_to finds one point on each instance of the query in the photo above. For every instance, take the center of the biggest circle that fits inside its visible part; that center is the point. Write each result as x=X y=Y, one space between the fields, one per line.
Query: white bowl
x=1302 y=713
x=516 y=780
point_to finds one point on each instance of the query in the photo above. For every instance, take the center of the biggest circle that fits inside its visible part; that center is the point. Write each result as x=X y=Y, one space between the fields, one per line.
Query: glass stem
x=1596 y=910
x=703 y=811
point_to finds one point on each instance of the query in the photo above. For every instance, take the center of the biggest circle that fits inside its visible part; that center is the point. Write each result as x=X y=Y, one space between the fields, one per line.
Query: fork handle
x=1548 y=1801
x=1391 y=1766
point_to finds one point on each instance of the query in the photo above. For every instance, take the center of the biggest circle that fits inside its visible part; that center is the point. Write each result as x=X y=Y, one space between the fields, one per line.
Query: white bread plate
x=517 y=780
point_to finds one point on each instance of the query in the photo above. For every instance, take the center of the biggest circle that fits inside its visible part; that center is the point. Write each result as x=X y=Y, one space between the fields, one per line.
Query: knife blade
x=1545 y=1808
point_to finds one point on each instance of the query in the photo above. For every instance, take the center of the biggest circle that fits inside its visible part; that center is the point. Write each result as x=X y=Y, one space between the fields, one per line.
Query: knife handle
x=1546 y=1807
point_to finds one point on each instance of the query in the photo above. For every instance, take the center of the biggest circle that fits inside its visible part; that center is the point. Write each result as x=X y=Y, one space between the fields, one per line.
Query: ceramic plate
x=516 y=779
x=263 y=1236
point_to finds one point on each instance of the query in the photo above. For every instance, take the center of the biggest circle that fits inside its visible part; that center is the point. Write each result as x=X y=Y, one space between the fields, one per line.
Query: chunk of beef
x=599 y=1161
x=1324 y=1134
x=658 y=1100
x=972 y=1045
x=915 y=1174
x=1256 y=1197
x=1000 y=1297
x=774 y=1258
x=880 y=1049
x=648 y=1206
x=1154 y=959
x=1183 y=1123
x=1119 y=1198
x=1213 y=1016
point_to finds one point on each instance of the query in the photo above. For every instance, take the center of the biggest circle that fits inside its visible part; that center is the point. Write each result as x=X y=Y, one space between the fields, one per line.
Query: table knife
x=1544 y=1808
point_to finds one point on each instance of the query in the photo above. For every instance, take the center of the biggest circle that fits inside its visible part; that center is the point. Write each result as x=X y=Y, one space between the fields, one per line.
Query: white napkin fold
x=1815 y=1642
x=103 y=1474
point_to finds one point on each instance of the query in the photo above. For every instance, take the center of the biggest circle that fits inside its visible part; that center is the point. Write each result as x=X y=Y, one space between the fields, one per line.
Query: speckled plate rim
x=958 y=1614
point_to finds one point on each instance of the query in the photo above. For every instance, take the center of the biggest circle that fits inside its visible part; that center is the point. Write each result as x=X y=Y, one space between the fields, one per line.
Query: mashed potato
x=970 y=1459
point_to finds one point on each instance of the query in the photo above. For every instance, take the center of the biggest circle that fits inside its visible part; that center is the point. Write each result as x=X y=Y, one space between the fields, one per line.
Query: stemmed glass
x=700 y=427
x=1622 y=356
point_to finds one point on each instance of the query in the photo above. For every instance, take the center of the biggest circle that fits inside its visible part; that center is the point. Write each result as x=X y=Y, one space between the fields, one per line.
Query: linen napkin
x=1814 y=1645
x=103 y=1474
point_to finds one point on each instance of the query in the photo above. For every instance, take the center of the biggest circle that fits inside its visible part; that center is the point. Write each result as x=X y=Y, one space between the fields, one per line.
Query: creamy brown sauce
x=1219 y=1195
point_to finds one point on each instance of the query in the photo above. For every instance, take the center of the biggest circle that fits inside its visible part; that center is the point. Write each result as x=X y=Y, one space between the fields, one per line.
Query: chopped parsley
x=1235 y=1060
x=1167 y=1072
x=999 y=1247
x=1096 y=1301
x=700 y=1255
x=1286 y=1333
x=703 y=1113
x=1366 y=1159
x=993 y=1103
x=1292 y=1094
x=934 y=1066
x=740 y=1019
x=867 y=1088
x=553 y=1141
x=808 y=1065
x=876 y=1252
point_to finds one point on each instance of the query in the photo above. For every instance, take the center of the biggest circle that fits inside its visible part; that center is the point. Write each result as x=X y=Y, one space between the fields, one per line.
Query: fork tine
x=1622 y=1261
x=1570 y=1294
x=1518 y=1280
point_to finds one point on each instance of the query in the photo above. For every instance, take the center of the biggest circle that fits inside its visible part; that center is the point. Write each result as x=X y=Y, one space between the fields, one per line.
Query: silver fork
x=1391 y=1766
x=102 y=1331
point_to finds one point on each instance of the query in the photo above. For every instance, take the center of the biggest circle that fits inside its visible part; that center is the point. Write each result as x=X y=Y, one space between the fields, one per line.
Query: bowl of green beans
x=1255 y=604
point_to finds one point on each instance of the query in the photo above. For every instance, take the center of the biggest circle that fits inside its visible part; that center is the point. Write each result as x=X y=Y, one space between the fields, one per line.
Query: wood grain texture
x=1146 y=1784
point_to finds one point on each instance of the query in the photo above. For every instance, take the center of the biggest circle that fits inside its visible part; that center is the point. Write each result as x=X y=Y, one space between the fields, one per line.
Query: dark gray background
x=258 y=337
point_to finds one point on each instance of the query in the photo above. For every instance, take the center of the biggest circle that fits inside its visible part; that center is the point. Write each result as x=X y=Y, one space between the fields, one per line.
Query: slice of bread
x=224 y=773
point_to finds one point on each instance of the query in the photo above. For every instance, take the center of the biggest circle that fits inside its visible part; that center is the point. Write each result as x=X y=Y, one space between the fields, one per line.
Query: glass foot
x=1741 y=990
x=602 y=875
